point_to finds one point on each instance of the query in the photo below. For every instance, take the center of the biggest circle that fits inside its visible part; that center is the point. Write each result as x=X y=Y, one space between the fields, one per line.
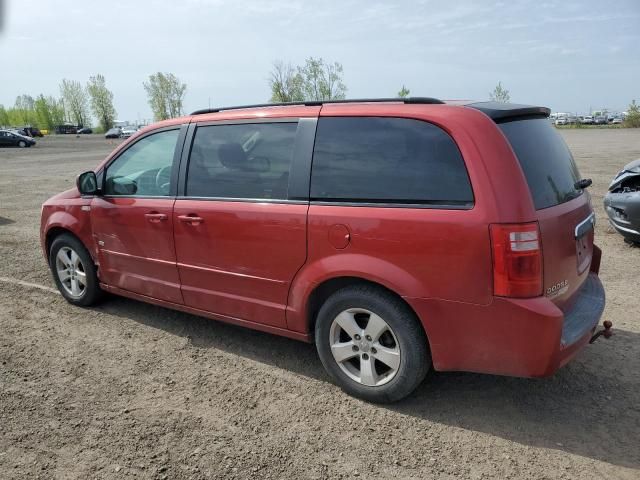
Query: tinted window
x=389 y=160
x=545 y=159
x=241 y=161
x=144 y=169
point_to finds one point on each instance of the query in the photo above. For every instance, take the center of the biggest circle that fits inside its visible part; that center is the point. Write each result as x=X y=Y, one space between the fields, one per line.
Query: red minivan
x=399 y=235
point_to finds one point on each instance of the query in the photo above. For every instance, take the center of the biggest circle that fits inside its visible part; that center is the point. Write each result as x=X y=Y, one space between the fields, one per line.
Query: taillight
x=517 y=260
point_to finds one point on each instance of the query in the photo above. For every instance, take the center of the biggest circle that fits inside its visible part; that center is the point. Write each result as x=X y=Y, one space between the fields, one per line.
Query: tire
x=400 y=342
x=69 y=256
x=22 y=144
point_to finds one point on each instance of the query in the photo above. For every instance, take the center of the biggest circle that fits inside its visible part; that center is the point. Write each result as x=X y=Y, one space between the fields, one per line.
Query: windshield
x=545 y=159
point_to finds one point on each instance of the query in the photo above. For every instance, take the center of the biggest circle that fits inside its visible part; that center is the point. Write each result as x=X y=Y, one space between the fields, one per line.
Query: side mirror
x=87 y=183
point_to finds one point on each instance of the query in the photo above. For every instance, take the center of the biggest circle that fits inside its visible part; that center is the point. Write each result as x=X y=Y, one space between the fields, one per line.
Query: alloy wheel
x=365 y=347
x=71 y=272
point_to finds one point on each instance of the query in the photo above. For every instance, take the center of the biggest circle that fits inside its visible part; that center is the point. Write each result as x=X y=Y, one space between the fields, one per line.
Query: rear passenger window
x=248 y=161
x=387 y=160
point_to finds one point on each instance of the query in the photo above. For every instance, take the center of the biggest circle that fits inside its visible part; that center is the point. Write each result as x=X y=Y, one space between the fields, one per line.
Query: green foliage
x=322 y=81
x=166 y=94
x=315 y=80
x=43 y=113
x=285 y=83
x=500 y=94
x=101 y=101
x=24 y=110
x=633 y=115
x=4 y=117
x=56 y=110
x=76 y=101
x=404 y=92
x=49 y=112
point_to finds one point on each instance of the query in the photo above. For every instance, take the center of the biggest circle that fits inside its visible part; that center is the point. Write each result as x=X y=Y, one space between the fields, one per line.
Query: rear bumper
x=516 y=337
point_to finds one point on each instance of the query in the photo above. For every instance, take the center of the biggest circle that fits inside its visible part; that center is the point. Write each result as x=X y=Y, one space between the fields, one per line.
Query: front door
x=6 y=138
x=239 y=240
x=132 y=220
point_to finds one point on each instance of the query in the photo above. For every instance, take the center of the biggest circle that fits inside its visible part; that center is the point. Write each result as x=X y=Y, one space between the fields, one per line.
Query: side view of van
x=398 y=235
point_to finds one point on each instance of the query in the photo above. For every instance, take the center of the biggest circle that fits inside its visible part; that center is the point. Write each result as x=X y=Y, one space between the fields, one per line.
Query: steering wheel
x=163 y=179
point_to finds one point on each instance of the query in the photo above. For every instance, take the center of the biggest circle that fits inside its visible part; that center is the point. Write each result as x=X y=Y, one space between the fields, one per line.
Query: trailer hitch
x=605 y=332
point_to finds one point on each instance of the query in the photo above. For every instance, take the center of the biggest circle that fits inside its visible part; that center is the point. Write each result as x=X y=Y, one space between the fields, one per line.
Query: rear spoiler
x=507 y=112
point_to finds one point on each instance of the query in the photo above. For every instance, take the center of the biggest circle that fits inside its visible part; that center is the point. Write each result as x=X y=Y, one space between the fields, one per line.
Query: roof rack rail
x=312 y=103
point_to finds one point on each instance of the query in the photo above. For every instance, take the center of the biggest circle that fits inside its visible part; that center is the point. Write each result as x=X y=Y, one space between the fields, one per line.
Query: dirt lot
x=132 y=390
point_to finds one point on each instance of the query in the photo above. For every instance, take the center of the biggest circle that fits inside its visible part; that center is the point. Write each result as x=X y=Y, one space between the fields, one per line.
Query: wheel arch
x=70 y=219
x=322 y=291
x=54 y=232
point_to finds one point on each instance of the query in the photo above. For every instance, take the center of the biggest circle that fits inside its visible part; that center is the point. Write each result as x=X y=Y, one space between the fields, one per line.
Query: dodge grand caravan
x=398 y=235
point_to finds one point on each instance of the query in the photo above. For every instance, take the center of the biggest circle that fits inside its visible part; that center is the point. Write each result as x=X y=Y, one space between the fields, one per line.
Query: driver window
x=144 y=169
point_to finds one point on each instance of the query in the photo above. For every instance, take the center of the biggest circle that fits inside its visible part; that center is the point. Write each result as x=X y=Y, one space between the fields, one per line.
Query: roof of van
x=495 y=110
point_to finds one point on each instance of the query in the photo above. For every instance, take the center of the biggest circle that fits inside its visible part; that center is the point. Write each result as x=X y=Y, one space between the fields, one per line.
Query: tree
x=76 y=101
x=48 y=112
x=4 y=117
x=24 y=110
x=101 y=101
x=322 y=81
x=633 y=115
x=500 y=94
x=56 y=110
x=166 y=94
x=404 y=92
x=285 y=83
x=43 y=113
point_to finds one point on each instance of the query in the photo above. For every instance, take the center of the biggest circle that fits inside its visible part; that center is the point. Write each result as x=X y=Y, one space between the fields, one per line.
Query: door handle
x=155 y=217
x=192 y=219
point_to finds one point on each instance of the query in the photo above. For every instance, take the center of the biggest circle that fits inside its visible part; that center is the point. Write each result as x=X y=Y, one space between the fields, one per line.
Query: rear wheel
x=74 y=271
x=372 y=344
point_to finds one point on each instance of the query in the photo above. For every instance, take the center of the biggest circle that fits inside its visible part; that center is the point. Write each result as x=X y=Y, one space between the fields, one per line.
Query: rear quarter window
x=387 y=160
x=545 y=159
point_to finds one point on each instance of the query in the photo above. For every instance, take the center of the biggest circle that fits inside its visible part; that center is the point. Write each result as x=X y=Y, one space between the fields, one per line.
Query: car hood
x=630 y=170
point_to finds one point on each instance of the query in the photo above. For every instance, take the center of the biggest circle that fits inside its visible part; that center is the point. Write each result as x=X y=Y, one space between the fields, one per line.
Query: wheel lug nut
x=365 y=356
x=373 y=350
x=357 y=337
x=355 y=348
x=368 y=337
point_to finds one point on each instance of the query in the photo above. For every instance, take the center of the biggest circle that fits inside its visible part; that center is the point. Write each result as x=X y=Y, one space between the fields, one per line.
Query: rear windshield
x=545 y=159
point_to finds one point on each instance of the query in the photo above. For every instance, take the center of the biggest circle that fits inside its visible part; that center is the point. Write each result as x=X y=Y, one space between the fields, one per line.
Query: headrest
x=232 y=156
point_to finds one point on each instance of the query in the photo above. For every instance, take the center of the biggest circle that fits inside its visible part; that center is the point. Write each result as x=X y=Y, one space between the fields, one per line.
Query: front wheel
x=372 y=344
x=22 y=144
x=74 y=271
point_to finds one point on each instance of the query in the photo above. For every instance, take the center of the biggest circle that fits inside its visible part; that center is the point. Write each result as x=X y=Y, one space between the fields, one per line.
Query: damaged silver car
x=622 y=203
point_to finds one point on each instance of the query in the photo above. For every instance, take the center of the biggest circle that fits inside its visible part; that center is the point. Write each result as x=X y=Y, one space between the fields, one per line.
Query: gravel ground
x=130 y=390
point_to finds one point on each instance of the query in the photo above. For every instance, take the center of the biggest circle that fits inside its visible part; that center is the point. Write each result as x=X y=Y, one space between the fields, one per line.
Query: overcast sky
x=568 y=55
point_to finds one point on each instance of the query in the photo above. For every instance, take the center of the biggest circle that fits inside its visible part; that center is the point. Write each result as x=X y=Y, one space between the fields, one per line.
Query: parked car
x=600 y=120
x=622 y=203
x=85 y=131
x=398 y=235
x=115 y=132
x=562 y=121
x=13 y=139
x=128 y=131
x=587 y=120
x=67 y=129
x=617 y=120
x=30 y=132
